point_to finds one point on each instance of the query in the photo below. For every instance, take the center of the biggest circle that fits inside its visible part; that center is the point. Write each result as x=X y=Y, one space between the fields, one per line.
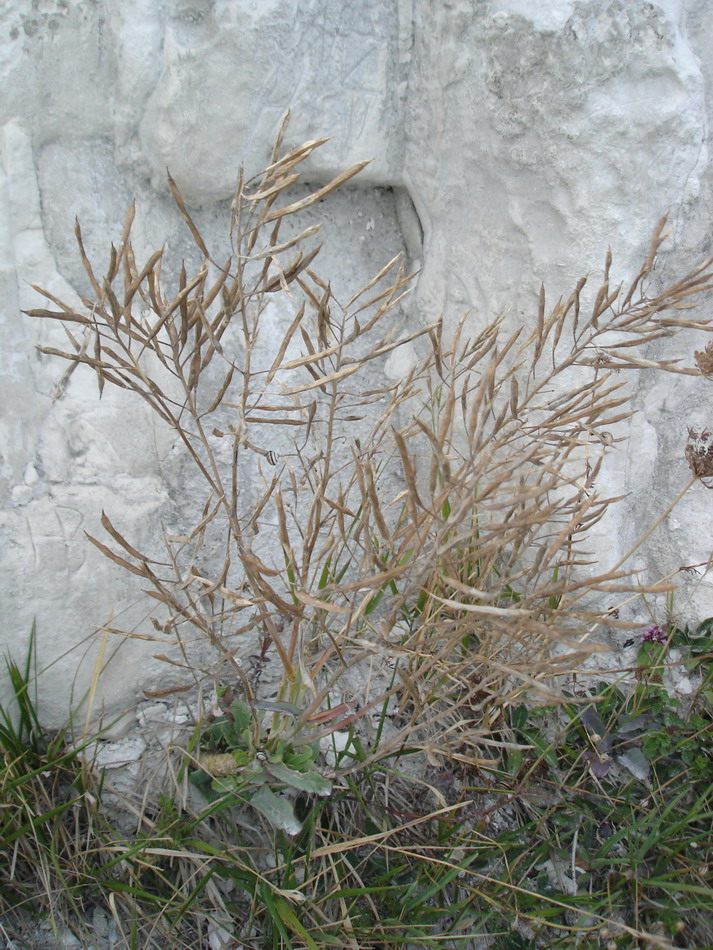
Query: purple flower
x=654 y=634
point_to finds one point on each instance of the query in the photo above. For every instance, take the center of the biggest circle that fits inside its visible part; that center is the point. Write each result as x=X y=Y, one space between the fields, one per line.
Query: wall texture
x=512 y=143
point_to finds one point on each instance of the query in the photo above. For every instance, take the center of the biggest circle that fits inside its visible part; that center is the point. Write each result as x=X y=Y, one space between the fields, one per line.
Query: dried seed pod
x=704 y=360
x=699 y=453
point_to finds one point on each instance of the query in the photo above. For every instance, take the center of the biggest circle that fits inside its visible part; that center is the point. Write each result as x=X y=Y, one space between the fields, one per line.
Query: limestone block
x=512 y=143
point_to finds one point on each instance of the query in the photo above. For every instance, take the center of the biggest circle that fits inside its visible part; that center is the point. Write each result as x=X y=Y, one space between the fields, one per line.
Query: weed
x=412 y=557
x=44 y=818
x=627 y=828
x=248 y=769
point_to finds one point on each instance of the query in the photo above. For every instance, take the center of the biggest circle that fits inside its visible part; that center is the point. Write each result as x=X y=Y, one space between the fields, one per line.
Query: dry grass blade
x=657 y=238
x=321 y=382
x=273 y=189
x=292 y=158
x=110 y=529
x=540 y=335
x=375 y=505
x=280 y=355
x=178 y=198
x=318 y=195
x=375 y=280
x=178 y=303
x=141 y=571
x=220 y=395
x=141 y=277
x=85 y=261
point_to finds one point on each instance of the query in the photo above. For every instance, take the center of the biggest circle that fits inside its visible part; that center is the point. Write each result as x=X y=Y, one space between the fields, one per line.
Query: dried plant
x=699 y=453
x=704 y=359
x=438 y=563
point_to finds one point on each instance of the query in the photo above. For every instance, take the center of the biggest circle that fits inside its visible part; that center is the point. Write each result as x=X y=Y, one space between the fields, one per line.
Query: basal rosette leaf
x=276 y=809
x=310 y=781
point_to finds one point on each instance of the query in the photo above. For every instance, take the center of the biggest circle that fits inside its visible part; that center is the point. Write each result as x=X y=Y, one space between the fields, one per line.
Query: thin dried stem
x=440 y=522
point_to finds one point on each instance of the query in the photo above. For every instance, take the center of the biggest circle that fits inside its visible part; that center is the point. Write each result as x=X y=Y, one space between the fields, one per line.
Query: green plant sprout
x=251 y=769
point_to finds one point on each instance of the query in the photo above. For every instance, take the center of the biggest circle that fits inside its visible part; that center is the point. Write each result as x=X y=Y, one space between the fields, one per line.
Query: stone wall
x=512 y=143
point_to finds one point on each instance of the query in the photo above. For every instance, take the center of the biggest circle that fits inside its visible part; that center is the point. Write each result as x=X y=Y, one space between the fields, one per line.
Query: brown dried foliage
x=699 y=453
x=468 y=574
x=704 y=359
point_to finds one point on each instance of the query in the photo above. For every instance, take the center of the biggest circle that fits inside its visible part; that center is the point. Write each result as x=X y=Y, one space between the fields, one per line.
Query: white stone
x=521 y=140
x=21 y=494
x=118 y=754
x=31 y=476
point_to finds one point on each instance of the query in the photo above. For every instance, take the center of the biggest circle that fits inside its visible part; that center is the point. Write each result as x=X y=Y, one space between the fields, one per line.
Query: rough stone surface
x=512 y=143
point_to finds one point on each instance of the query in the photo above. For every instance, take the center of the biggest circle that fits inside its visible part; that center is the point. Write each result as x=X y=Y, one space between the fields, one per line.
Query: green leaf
x=310 y=781
x=276 y=809
x=290 y=920
x=219 y=733
x=543 y=748
x=440 y=883
x=519 y=717
x=269 y=902
x=514 y=761
x=705 y=628
x=277 y=706
x=636 y=762
x=198 y=777
x=300 y=760
x=374 y=602
x=241 y=715
x=680 y=886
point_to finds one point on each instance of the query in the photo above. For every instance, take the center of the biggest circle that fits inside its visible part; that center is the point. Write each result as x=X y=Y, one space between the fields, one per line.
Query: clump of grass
x=46 y=805
x=616 y=807
x=567 y=841
x=412 y=555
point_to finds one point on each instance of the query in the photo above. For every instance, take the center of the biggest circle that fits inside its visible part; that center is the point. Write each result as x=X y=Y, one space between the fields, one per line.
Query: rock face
x=512 y=143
